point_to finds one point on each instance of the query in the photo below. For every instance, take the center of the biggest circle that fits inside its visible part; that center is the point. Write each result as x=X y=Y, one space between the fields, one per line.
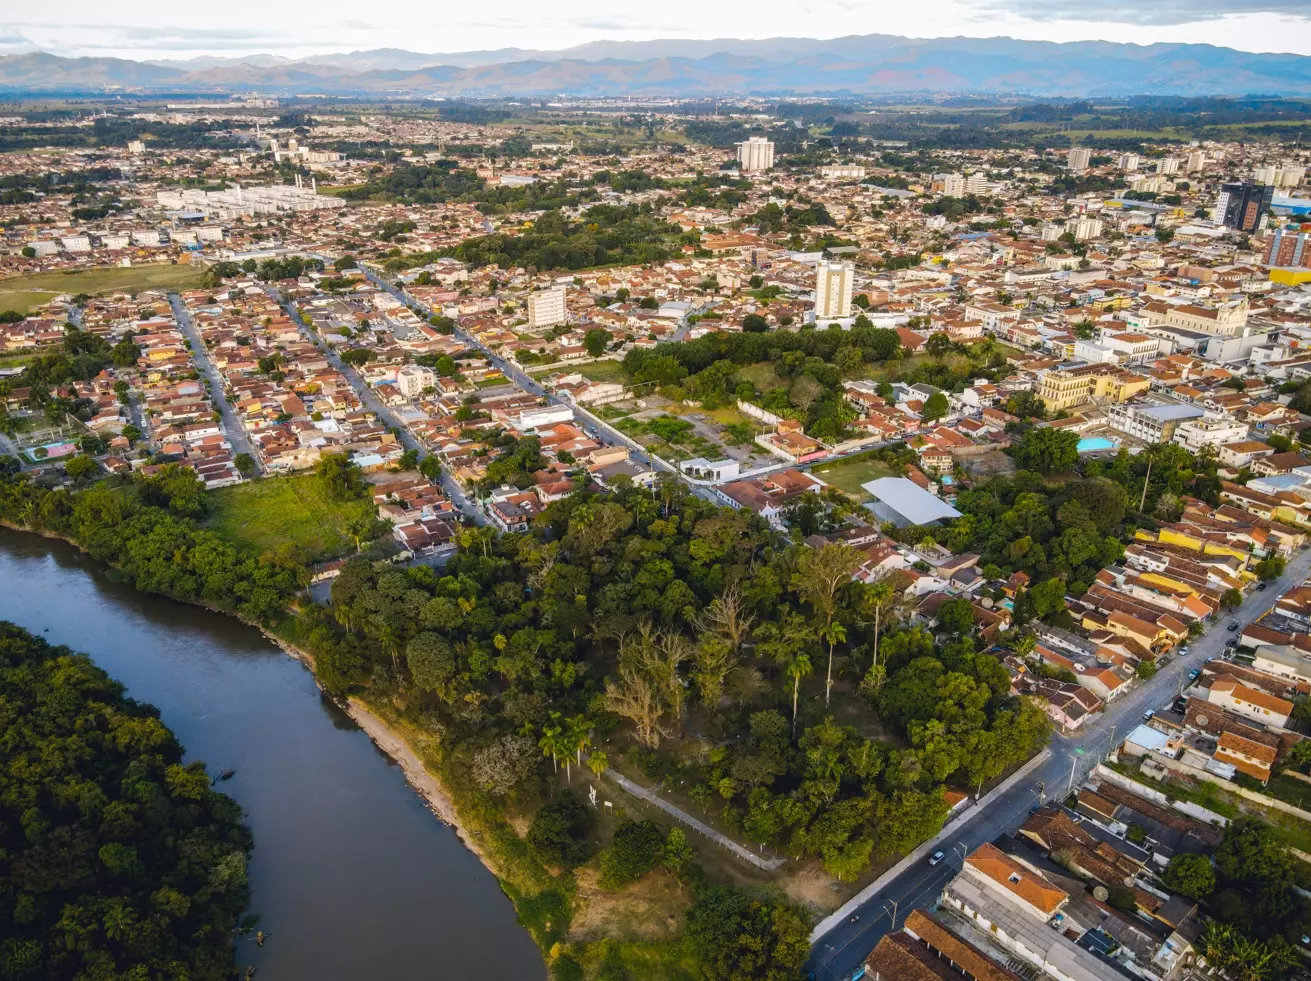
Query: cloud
x=1160 y=13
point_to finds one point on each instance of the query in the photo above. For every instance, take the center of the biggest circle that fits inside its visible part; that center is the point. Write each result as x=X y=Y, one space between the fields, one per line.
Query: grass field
x=24 y=293
x=278 y=513
x=847 y=477
x=761 y=375
x=597 y=371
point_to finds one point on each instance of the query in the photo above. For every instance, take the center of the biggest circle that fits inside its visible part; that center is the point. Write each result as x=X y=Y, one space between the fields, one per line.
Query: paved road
x=837 y=954
x=603 y=430
x=232 y=426
x=383 y=412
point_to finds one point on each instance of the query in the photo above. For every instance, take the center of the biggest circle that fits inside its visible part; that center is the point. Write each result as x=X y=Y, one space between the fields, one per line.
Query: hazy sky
x=168 y=29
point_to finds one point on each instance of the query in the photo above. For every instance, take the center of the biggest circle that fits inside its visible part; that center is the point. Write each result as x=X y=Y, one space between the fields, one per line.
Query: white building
x=843 y=172
x=1167 y=165
x=1209 y=431
x=1150 y=423
x=976 y=183
x=234 y=202
x=1280 y=175
x=833 y=285
x=953 y=185
x=295 y=153
x=1079 y=158
x=1084 y=228
x=1129 y=162
x=413 y=379
x=755 y=155
x=543 y=417
x=1195 y=161
x=1131 y=348
x=546 y=308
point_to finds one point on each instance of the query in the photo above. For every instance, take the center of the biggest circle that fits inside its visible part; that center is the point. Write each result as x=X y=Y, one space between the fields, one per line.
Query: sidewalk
x=768 y=864
x=949 y=830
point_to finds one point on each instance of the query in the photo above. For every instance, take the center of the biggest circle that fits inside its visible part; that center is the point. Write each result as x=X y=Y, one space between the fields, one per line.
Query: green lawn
x=847 y=477
x=597 y=371
x=278 y=513
x=23 y=293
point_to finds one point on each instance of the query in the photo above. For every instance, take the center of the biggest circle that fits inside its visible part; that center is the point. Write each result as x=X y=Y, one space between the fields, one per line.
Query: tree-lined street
x=840 y=952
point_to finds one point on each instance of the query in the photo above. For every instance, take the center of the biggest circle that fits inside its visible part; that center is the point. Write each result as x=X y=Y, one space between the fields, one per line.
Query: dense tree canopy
x=146 y=527
x=117 y=860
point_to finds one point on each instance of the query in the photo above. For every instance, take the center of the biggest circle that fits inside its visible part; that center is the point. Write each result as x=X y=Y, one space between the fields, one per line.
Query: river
x=352 y=877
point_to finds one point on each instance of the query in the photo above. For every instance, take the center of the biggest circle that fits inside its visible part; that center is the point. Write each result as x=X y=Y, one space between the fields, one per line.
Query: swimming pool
x=1094 y=443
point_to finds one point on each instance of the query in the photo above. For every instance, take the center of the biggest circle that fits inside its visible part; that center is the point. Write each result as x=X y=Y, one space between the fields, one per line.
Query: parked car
x=1260 y=586
x=1148 y=714
x=1232 y=627
x=935 y=858
x=1194 y=675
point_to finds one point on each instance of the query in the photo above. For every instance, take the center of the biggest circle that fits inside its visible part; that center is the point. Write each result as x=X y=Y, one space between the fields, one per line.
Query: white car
x=936 y=858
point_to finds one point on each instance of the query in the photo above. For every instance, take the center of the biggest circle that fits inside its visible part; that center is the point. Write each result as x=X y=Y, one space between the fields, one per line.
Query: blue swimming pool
x=1095 y=443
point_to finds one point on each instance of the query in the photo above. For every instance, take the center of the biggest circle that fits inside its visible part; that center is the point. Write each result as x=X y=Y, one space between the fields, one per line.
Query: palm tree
x=552 y=743
x=878 y=595
x=391 y=643
x=578 y=738
x=598 y=763
x=799 y=667
x=834 y=633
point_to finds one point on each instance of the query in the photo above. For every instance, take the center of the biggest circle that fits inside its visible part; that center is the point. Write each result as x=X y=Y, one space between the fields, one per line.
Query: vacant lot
x=288 y=512
x=597 y=371
x=847 y=477
x=24 y=293
x=762 y=376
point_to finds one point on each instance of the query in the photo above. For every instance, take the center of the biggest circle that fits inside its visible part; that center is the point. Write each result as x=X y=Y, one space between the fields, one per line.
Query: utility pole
x=1074 y=762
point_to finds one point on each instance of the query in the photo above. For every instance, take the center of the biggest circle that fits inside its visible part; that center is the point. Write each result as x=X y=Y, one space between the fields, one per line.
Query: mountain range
x=857 y=64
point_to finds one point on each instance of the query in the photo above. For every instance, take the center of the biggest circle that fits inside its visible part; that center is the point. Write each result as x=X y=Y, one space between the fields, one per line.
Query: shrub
x=561 y=830
x=637 y=848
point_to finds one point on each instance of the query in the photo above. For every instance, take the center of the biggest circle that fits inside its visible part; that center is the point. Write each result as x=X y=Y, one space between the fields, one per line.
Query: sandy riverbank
x=417 y=775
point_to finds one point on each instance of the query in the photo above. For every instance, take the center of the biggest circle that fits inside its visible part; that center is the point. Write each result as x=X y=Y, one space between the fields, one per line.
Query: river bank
x=417 y=774
x=351 y=875
x=388 y=740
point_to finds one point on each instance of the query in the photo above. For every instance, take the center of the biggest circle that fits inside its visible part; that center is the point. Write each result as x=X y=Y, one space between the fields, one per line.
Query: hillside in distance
x=867 y=64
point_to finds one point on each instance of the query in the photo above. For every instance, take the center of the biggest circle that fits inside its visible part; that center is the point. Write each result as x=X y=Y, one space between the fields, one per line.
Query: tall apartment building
x=1084 y=228
x=1279 y=175
x=976 y=183
x=1242 y=205
x=834 y=282
x=1129 y=162
x=546 y=308
x=1289 y=247
x=1167 y=165
x=755 y=155
x=952 y=184
x=1195 y=162
x=1079 y=158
